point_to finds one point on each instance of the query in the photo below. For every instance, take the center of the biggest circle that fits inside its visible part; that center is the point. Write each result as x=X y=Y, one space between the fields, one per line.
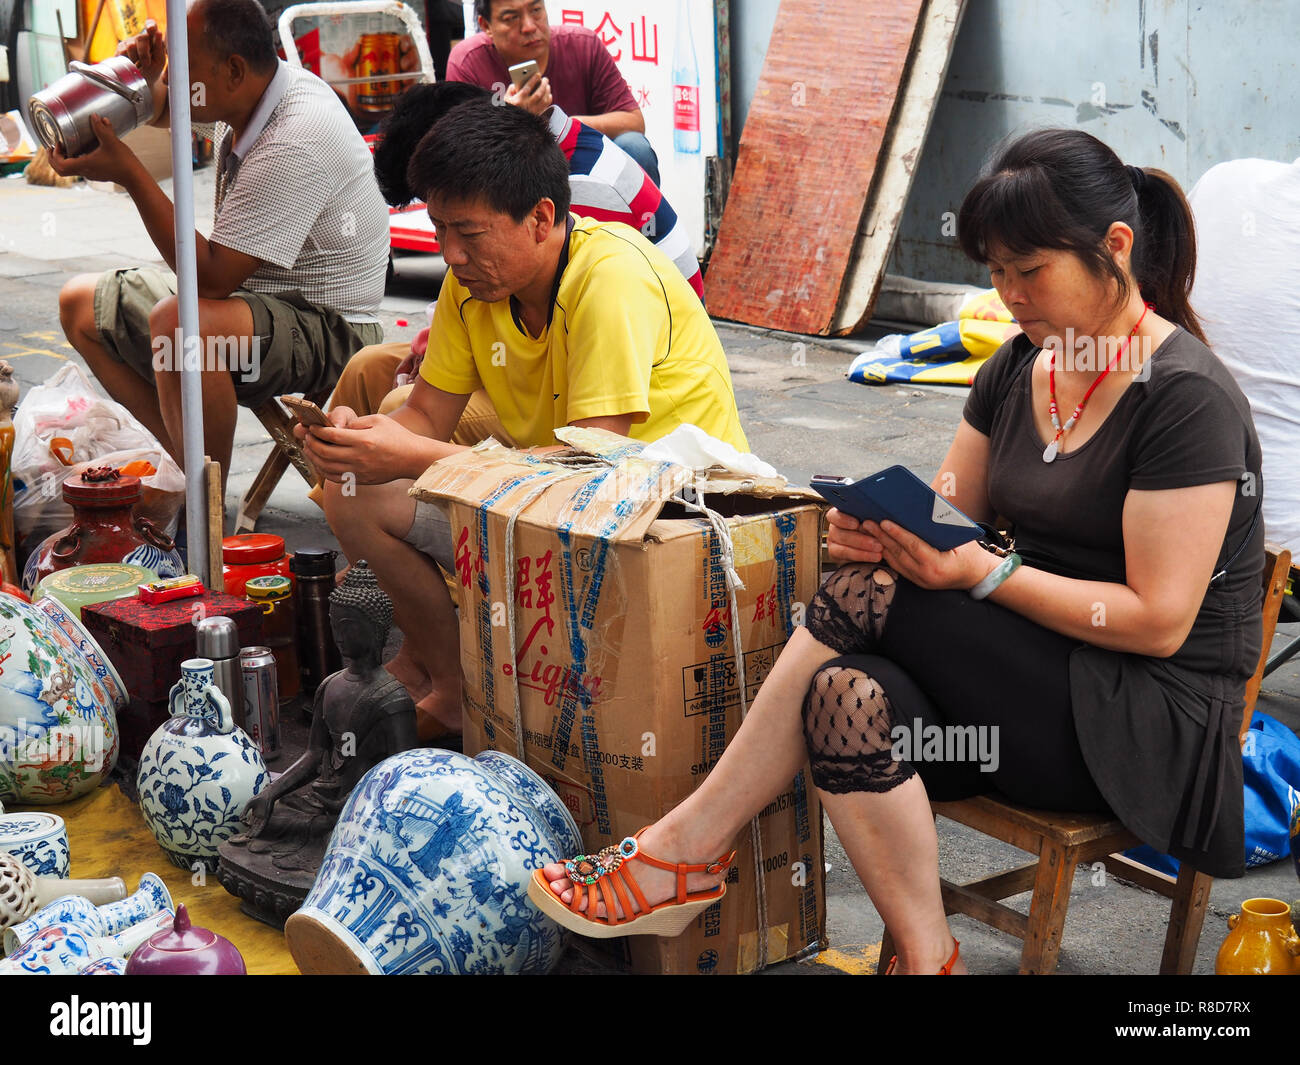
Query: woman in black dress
x=1102 y=665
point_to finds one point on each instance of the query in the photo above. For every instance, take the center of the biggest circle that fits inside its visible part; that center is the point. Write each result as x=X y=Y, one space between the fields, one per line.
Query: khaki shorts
x=296 y=347
x=430 y=534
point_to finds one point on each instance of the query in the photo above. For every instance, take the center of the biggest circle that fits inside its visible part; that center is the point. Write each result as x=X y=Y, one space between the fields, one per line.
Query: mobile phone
x=521 y=72
x=305 y=411
x=897 y=494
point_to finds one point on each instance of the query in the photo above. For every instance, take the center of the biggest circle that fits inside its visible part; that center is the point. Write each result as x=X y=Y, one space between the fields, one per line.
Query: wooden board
x=816 y=139
x=898 y=161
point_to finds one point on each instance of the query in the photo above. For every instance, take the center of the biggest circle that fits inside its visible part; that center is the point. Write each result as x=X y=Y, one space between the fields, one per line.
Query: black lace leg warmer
x=848 y=612
x=847 y=725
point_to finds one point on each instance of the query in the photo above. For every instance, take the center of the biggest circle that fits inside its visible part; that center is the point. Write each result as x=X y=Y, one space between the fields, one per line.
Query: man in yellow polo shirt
x=559 y=320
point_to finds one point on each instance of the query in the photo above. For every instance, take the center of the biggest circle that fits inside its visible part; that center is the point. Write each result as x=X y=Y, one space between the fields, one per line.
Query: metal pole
x=187 y=290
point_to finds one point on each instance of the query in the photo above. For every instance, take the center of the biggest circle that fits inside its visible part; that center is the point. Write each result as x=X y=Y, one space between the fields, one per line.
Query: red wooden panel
x=807 y=157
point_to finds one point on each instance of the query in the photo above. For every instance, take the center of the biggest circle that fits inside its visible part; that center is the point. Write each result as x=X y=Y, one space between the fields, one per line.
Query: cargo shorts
x=296 y=346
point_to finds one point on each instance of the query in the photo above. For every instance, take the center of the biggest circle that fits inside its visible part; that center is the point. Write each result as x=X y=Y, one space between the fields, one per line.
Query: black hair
x=239 y=27
x=499 y=154
x=415 y=113
x=483 y=9
x=1062 y=189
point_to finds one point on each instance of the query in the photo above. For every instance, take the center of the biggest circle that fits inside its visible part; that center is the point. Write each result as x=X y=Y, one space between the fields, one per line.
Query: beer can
x=261 y=698
x=378 y=54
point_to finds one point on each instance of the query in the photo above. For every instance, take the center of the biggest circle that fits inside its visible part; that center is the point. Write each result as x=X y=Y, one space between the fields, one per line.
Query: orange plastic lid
x=244 y=549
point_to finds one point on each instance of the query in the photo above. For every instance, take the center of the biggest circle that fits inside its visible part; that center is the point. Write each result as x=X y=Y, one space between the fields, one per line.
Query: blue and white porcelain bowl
x=38 y=840
x=428 y=870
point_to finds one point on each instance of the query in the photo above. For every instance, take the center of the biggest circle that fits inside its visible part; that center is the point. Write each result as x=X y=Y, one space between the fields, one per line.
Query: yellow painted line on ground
x=25 y=349
x=856 y=961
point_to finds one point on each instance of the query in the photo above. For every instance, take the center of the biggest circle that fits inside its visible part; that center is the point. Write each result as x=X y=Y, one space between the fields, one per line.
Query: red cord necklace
x=1050 y=452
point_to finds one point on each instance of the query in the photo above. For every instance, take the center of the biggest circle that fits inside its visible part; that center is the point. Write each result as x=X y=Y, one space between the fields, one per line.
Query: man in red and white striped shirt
x=606 y=183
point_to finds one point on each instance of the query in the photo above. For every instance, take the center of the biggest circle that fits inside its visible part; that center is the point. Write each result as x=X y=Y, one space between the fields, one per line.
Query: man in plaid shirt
x=291 y=278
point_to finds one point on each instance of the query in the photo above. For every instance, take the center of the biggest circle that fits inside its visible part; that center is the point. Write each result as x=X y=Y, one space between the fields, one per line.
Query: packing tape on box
x=728 y=551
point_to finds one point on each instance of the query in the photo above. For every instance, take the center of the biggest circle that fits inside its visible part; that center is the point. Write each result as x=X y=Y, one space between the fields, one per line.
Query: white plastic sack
x=101 y=432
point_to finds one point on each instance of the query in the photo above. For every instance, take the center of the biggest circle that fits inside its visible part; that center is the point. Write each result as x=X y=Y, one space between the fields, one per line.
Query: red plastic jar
x=248 y=555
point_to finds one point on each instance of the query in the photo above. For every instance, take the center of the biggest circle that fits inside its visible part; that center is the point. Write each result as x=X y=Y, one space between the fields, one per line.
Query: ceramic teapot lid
x=184 y=949
x=101 y=486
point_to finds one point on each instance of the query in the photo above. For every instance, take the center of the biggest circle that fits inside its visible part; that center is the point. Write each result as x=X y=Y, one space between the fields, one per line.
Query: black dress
x=1159 y=736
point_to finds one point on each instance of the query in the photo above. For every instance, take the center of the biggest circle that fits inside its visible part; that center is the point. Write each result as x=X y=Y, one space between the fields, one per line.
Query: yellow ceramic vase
x=1261 y=942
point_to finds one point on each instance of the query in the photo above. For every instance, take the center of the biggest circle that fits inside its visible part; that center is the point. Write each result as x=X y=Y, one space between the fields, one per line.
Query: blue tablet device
x=898 y=495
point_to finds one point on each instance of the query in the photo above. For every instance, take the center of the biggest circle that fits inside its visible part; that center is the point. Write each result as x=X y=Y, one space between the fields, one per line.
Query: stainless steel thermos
x=318 y=657
x=218 y=639
x=114 y=88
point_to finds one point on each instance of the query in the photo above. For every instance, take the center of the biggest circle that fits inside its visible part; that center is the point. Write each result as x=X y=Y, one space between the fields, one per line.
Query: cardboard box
x=607 y=622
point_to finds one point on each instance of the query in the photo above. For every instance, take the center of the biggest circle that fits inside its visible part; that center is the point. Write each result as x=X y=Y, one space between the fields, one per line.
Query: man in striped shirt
x=605 y=183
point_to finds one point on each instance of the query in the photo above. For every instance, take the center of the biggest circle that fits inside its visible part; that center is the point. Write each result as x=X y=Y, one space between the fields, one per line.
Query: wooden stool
x=285 y=451
x=1062 y=841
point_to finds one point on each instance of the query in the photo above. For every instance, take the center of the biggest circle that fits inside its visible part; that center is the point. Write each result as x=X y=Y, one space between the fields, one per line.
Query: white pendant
x=1049 y=452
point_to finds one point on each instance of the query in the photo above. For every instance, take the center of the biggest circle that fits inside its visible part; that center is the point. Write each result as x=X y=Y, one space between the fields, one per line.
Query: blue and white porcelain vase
x=198 y=771
x=428 y=869
x=77 y=911
x=59 y=697
x=60 y=950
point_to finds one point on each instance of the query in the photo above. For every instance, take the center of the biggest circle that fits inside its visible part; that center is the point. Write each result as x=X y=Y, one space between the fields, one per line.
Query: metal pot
x=114 y=88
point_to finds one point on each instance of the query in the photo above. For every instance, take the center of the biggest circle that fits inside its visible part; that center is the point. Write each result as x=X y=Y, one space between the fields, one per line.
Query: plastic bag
x=64 y=425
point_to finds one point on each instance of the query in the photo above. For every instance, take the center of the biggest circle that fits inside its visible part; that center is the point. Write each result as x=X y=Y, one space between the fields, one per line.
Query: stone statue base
x=266 y=893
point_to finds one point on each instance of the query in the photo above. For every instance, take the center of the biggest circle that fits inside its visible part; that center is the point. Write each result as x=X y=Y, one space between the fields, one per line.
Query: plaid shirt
x=297 y=190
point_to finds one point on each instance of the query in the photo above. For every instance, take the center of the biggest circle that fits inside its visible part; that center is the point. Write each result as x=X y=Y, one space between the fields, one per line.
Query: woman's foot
x=657 y=885
x=945 y=961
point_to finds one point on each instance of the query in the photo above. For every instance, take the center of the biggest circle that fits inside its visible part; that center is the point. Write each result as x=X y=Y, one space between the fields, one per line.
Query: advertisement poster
x=667 y=52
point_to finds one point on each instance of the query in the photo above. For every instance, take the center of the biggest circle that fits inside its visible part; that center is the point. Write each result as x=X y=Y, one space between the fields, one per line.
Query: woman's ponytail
x=1164 y=261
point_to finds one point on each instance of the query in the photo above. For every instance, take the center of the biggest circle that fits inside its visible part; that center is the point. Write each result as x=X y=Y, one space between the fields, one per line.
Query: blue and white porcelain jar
x=198 y=771
x=428 y=869
x=38 y=840
x=59 y=697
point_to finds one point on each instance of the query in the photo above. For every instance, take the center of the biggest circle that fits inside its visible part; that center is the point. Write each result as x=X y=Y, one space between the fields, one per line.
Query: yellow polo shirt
x=628 y=335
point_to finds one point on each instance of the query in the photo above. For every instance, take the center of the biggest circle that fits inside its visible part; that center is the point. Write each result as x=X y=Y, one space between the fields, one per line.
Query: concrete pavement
x=799 y=413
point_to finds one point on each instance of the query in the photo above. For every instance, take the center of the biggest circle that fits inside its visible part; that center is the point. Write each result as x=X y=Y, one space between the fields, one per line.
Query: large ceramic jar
x=428 y=869
x=198 y=771
x=59 y=697
x=1261 y=941
x=104 y=529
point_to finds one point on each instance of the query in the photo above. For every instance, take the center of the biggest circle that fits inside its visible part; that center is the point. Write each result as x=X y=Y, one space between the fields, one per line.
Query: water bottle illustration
x=686 y=87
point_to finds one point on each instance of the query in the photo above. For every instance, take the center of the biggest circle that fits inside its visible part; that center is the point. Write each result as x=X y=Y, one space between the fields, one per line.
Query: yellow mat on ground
x=108 y=837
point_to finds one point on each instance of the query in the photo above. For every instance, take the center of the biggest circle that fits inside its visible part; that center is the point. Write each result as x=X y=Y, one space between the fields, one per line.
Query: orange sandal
x=947 y=966
x=606 y=870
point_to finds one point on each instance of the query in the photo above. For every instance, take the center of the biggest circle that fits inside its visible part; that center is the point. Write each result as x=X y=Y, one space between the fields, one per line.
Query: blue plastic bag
x=1270 y=762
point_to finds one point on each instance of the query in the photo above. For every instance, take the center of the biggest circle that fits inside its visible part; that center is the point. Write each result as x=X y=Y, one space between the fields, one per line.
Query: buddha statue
x=361 y=715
